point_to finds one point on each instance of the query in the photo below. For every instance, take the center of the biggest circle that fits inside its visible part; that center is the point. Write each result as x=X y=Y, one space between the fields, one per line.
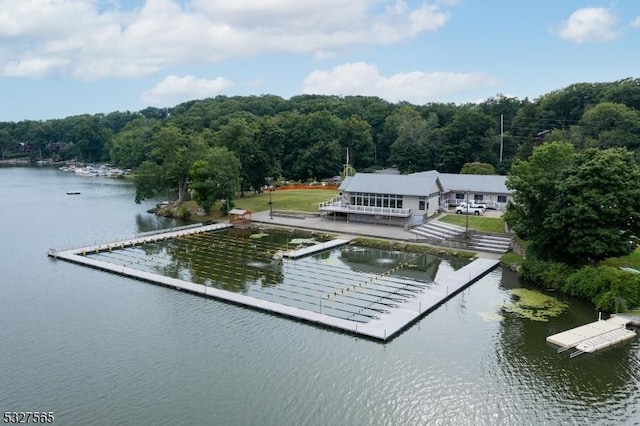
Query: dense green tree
x=240 y=135
x=576 y=206
x=596 y=214
x=410 y=150
x=355 y=135
x=608 y=125
x=534 y=183
x=215 y=176
x=89 y=135
x=470 y=136
x=477 y=168
x=132 y=145
x=151 y=180
x=173 y=154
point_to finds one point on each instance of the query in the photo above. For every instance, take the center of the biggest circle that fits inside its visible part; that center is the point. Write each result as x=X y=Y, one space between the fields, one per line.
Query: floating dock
x=388 y=323
x=594 y=336
x=295 y=254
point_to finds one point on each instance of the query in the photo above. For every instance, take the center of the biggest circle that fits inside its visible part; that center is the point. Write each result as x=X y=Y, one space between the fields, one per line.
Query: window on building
x=502 y=198
x=459 y=196
x=478 y=198
x=422 y=203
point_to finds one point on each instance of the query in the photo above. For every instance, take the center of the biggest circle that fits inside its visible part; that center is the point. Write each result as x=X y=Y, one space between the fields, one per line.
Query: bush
x=183 y=213
x=610 y=289
x=545 y=273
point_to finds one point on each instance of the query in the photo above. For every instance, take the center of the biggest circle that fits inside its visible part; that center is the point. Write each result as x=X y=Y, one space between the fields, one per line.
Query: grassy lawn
x=632 y=260
x=300 y=200
x=479 y=223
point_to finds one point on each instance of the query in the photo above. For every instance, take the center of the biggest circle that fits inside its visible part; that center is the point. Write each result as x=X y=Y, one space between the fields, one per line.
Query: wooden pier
x=594 y=336
x=383 y=327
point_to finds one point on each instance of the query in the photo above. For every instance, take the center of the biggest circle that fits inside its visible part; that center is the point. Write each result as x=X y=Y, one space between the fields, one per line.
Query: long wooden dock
x=594 y=336
x=384 y=327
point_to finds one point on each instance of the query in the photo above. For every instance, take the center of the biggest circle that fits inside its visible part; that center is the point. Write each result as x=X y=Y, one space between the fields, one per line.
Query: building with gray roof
x=408 y=200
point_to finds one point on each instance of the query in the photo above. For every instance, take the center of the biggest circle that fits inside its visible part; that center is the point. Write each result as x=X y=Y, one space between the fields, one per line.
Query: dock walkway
x=295 y=254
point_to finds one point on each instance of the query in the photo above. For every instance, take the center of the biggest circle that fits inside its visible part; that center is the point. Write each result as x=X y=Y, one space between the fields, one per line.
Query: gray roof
x=473 y=183
x=414 y=185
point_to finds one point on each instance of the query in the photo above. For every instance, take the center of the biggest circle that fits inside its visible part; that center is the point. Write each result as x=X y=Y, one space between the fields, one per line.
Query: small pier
x=594 y=336
x=295 y=254
x=331 y=300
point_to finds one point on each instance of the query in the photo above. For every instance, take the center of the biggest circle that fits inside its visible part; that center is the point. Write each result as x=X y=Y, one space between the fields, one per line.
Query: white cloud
x=100 y=40
x=34 y=67
x=590 y=24
x=173 y=90
x=415 y=87
x=636 y=22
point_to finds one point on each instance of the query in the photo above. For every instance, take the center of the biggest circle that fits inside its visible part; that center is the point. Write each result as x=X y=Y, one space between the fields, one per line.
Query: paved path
x=347 y=229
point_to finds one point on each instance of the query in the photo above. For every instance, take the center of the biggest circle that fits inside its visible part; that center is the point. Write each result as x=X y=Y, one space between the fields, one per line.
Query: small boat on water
x=73 y=192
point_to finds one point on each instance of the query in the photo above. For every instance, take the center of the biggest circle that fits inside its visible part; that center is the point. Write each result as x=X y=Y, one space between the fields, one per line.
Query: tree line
x=306 y=137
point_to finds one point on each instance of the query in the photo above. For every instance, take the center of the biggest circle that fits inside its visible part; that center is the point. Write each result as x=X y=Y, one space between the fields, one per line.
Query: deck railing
x=336 y=204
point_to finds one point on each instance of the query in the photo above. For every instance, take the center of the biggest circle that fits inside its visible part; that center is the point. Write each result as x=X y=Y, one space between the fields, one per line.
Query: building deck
x=388 y=325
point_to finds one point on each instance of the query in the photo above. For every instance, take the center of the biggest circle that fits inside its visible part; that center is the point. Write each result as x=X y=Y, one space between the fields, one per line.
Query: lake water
x=96 y=348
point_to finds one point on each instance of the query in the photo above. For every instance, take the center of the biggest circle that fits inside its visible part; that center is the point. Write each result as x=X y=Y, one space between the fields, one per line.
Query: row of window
x=376 y=200
x=478 y=198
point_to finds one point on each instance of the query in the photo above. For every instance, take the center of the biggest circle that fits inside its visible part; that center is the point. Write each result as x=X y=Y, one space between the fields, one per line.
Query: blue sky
x=66 y=57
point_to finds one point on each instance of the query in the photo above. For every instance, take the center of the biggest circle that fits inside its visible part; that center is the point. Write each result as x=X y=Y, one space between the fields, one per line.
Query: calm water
x=101 y=349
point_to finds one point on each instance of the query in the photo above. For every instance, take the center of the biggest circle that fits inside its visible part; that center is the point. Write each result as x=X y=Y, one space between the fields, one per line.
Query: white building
x=408 y=200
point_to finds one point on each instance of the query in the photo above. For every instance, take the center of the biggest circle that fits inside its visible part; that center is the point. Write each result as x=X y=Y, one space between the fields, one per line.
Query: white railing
x=337 y=205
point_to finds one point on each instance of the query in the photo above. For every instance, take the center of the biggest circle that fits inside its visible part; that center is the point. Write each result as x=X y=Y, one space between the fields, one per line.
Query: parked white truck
x=476 y=209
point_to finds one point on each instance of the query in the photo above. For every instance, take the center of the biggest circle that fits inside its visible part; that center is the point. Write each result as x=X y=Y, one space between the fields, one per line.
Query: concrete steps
x=438 y=230
x=490 y=243
x=435 y=231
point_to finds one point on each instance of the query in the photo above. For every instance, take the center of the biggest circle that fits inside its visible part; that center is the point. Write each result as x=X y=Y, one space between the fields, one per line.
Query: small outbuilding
x=240 y=216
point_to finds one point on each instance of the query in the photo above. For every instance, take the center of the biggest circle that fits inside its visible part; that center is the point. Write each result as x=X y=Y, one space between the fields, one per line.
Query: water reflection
x=354 y=283
x=597 y=385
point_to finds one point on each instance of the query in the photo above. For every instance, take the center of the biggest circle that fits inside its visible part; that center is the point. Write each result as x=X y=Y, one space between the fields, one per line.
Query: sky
x=60 y=58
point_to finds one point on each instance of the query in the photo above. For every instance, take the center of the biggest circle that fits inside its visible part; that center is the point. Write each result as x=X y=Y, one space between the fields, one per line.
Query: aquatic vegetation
x=303 y=241
x=534 y=305
x=258 y=235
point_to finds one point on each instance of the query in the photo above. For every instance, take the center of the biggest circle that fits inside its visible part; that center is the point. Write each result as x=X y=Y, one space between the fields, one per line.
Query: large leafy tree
x=597 y=212
x=170 y=159
x=410 y=149
x=534 y=185
x=215 y=176
x=576 y=207
x=608 y=125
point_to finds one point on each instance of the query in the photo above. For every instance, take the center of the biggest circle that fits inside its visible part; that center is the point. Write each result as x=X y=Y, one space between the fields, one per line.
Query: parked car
x=476 y=209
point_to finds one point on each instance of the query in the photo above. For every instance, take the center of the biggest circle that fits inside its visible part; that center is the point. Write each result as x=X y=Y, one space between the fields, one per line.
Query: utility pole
x=467 y=217
x=501 y=136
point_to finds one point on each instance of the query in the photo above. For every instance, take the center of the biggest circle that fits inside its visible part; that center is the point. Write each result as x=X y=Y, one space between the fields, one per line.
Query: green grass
x=479 y=223
x=299 y=200
x=632 y=260
x=511 y=258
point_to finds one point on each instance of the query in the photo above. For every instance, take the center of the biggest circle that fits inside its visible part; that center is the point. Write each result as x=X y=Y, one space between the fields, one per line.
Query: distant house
x=408 y=200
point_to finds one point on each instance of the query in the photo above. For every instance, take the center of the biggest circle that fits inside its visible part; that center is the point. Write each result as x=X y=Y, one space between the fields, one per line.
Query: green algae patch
x=258 y=235
x=534 y=305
